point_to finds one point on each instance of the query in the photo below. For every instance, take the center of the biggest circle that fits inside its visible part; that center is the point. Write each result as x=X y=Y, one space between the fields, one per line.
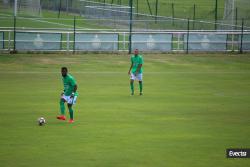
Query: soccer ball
x=41 y=121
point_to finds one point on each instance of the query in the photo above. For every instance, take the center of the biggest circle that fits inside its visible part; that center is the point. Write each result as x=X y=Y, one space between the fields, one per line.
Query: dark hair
x=64 y=68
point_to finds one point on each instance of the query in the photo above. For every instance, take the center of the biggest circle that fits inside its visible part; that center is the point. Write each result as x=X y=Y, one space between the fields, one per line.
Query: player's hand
x=62 y=93
x=72 y=95
x=129 y=73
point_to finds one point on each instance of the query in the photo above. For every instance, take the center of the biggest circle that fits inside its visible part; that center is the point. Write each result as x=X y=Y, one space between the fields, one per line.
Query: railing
x=51 y=40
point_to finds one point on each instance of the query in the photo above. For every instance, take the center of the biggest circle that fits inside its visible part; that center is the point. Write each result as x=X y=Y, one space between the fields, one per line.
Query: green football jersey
x=69 y=83
x=136 y=60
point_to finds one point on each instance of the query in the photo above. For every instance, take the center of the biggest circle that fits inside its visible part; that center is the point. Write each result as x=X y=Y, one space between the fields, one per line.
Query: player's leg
x=62 y=109
x=132 y=78
x=140 y=83
x=70 y=102
x=132 y=86
x=71 y=113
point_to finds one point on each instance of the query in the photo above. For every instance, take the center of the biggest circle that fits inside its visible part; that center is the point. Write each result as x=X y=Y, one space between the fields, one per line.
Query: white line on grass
x=43 y=21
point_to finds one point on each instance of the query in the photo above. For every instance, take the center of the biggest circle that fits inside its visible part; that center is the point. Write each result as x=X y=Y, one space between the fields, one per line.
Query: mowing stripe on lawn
x=110 y=72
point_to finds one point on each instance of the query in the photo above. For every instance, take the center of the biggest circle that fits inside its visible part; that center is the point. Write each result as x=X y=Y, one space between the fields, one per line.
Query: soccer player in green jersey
x=69 y=94
x=135 y=70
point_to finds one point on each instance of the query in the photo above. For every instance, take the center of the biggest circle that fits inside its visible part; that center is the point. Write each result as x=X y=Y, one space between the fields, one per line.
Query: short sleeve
x=72 y=81
x=141 y=60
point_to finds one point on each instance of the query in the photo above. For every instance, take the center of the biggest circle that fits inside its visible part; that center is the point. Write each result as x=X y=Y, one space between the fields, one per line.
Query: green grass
x=193 y=108
x=183 y=8
x=48 y=20
x=205 y=11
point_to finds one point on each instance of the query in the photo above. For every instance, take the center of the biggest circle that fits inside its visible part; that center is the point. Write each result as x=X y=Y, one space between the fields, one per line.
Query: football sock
x=71 y=113
x=62 y=107
x=140 y=85
x=132 y=87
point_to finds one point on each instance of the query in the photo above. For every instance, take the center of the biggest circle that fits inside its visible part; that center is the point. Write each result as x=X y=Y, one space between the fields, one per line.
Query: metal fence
x=116 y=15
x=45 y=40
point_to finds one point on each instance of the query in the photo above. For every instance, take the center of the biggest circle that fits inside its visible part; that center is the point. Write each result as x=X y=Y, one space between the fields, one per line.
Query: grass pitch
x=193 y=108
x=182 y=9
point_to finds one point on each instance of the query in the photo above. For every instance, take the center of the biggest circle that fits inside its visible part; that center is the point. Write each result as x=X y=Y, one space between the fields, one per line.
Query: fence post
x=173 y=14
x=149 y=8
x=194 y=14
x=187 y=37
x=14 y=34
x=130 y=25
x=15 y=7
x=178 y=44
x=124 y=41
x=241 y=36
x=9 y=40
x=59 y=10
x=236 y=17
x=68 y=42
x=137 y=7
x=215 y=14
x=74 y=42
x=156 y=10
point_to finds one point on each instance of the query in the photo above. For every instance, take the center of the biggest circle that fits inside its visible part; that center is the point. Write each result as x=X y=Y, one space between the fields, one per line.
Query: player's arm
x=139 y=66
x=130 y=68
x=74 y=84
x=138 y=69
x=74 y=91
x=75 y=88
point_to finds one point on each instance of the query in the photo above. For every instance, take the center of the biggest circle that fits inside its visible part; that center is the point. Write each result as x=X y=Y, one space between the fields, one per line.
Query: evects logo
x=38 y=41
x=238 y=153
x=96 y=42
x=150 y=42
